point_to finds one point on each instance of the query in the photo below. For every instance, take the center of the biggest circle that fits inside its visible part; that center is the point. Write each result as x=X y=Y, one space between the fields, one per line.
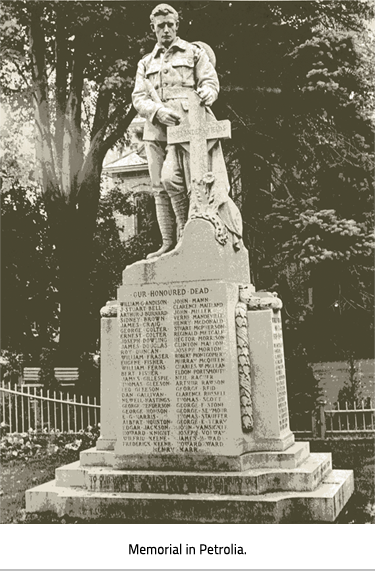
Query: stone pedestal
x=194 y=414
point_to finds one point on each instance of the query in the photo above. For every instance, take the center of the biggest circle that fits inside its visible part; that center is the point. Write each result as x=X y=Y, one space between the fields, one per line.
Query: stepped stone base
x=321 y=505
x=97 y=479
x=309 y=491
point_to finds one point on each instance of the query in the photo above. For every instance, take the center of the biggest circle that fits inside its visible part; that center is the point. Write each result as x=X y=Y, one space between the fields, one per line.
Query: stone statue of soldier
x=163 y=81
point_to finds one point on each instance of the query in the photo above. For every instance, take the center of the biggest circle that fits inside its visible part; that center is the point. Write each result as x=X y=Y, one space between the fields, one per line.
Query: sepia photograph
x=187 y=265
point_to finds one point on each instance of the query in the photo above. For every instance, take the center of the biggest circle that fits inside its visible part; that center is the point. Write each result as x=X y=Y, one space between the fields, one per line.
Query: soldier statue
x=163 y=81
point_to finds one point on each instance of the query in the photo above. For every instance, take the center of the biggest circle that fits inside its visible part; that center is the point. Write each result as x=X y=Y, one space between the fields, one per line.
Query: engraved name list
x=173 y=366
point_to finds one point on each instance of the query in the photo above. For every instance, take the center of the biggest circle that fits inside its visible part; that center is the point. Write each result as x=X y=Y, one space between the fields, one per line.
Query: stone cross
x=196 y=130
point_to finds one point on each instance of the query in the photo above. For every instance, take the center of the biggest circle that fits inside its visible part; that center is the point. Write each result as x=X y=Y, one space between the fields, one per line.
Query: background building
x=127 y=169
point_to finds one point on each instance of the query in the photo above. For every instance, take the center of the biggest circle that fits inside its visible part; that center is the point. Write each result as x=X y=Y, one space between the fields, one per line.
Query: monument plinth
x=194 y=416
x=180 y=391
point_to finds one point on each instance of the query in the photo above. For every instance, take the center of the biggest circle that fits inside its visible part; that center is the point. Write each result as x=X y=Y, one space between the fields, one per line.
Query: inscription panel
x=278 y=349
x=174 y=369
x=210 y=130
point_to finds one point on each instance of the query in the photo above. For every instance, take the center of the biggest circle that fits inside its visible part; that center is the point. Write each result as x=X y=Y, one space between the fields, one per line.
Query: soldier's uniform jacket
x=165 y=77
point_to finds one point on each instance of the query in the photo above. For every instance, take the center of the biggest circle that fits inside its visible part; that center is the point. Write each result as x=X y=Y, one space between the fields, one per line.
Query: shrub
x=12 y=364
x=23 y=445
x=352 y=392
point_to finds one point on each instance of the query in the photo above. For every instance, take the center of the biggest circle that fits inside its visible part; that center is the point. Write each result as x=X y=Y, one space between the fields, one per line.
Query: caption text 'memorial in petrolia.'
x=188 y=550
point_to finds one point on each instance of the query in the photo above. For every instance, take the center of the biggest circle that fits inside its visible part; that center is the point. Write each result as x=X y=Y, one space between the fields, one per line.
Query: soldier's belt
x=174 y=93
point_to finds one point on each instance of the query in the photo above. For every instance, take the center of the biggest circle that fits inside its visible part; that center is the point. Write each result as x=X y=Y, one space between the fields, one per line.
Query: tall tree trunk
x=73 y=231
x=74 y=264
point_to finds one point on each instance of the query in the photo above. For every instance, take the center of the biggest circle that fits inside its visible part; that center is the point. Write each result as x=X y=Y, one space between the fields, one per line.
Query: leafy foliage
x=25 y=445
x=12 y=364
x=30 y=276
x=352 y=393
x=337 y=257
x=303 y=387
x=318 y=235
x=302 y=135
x=300 y=126
x=28 y=272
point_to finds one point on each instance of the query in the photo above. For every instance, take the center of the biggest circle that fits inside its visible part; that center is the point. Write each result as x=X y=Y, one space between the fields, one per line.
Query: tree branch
x=118 y=132
x=44 y=147
x=93 y=157
x=73 y=146
x=89 y=178
x=61 y=81
x=22 y=74
x=101 y=111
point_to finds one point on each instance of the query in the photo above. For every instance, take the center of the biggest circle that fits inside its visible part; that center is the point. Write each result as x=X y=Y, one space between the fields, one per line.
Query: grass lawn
x=357 y=455
x=17 y=476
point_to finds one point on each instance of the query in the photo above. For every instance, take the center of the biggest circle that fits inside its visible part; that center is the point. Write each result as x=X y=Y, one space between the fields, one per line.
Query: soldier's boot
x=180 y=205
x=165 y=217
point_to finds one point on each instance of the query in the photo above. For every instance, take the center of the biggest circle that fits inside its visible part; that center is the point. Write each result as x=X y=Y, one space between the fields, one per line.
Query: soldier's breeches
x=169 y=168
x=169 y=171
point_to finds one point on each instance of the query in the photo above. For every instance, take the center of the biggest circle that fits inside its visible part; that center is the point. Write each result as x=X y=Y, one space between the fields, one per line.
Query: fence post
x=322 y=418
x=35 y=406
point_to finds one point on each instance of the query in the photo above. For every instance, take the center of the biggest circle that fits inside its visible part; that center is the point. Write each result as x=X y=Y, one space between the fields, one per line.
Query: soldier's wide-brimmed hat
x=208 y=49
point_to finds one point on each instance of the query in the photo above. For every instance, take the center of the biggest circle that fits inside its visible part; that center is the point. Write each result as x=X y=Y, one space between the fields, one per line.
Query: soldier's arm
x=142 y=100
x=207 y=80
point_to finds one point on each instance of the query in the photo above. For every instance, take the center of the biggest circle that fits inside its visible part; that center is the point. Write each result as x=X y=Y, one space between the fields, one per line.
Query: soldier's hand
x=207 y=96
x=168 y=116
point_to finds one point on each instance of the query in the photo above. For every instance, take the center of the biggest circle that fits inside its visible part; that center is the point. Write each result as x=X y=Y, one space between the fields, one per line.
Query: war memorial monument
x=194 y=410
